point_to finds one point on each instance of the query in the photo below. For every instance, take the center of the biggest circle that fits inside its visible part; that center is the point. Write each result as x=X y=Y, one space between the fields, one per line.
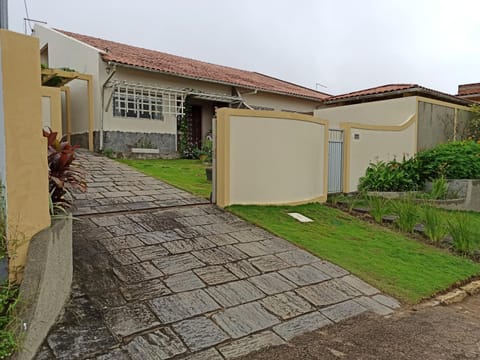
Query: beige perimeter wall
x=26 y=178
x=374 y=131
x=267 y=157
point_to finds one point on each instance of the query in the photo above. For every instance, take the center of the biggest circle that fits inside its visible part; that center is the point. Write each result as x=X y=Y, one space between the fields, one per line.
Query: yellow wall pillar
x=24 y=159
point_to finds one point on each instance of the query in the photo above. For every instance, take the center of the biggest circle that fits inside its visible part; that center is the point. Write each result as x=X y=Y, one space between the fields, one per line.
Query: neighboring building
x=469 y=91
x=391 y=121
x=140 y=94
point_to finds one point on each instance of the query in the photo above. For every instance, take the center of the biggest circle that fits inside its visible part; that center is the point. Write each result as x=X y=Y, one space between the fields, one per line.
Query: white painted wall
x=384 y=112
x=275 y=160
x=64 y=51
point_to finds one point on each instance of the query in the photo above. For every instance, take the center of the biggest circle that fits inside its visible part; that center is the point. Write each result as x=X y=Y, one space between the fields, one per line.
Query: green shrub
x=466 y=239
x=454 y=160
x=434 y=223
x=407 y=212
x=390 y=176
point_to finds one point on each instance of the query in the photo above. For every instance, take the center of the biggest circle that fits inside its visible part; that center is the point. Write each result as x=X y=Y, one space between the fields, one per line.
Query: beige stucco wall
x=384 y=112
x=279 y=102
x=52 y=117
x=266 y=157
x=365 y=144
x=64 y=51
x=26 y=178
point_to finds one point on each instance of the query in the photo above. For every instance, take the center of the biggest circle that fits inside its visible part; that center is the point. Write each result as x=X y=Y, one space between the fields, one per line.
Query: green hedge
x=454 y=160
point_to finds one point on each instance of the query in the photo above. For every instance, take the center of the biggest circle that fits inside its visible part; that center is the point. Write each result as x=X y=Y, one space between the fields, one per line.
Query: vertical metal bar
x=3 y=14
x=214 y=160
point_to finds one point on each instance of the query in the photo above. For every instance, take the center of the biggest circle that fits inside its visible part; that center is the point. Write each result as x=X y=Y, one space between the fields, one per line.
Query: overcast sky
x=344 y=45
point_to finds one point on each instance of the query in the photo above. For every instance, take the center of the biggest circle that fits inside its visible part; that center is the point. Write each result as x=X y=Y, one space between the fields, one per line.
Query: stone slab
x=297 y=257
x=269 y=263
x=200 y=333
x=124 y=257
x=127 y=320
x=272 y=283
x=304 y=275
x=174 y=264
x=244 y=319
x=235 y=293
x=182 y=306
x=219 y=256
x=222 y=239
x=158 y=237
x=330 y=269
x=210 y=354
x=159 y=345
x=387 y=301
x=254 y=248
x=249 y=344
x=214 y=275
x=373 y=305
x=300 y=325
x=342 y=311
x=188 y=245
x=138 y=272
x=322 y=294
x=361 y=285
x=126 y=229
x=145 y=290
x=242 y=269
x=146 y=253
x=185 y=281
x=250 y=235
x=122 y=242
x=286 y=305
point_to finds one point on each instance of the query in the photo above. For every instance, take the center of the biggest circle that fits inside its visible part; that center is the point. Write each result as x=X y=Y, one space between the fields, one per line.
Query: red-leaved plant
x=63 y=176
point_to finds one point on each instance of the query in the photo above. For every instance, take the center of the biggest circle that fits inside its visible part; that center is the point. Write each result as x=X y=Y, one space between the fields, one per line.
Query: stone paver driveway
x=160 y=274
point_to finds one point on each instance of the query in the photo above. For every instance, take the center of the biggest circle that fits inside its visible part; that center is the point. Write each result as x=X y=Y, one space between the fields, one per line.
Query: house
x=141 y=95
x=390 y=122
x=470 y=92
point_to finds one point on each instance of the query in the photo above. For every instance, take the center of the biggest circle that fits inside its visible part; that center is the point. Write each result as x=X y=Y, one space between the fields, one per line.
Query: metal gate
x=335 y=161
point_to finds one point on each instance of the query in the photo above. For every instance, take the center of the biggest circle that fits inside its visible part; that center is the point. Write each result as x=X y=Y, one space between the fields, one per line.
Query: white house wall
x=64 y=51
x=279 y=102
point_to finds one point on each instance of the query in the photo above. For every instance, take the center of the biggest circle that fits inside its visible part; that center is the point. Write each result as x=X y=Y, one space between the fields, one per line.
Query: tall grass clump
x=439 y=189
x=408 y=215
x=434 y=222
x=378 y=207
x=466 y=238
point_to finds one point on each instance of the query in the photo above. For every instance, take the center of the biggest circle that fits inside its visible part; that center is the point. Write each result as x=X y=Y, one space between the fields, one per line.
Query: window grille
x=137 y=101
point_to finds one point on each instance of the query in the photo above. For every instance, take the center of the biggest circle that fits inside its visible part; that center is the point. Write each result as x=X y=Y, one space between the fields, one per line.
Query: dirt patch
x=432 y=333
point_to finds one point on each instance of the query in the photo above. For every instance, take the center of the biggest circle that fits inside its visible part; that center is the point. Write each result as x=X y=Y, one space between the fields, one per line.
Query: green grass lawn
x=185 y=174
x=402 y=267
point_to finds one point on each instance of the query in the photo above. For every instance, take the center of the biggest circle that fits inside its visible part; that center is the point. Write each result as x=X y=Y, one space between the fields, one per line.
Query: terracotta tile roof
x=184 y=67
x=393 y=90
x=469 y=89
x=373 y=91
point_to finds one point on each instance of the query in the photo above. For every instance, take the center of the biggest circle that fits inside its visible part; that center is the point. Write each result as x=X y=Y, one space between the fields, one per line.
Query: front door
x=195 y=125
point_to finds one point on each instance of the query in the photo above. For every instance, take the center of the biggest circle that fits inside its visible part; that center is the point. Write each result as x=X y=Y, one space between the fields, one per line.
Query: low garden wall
x=46 y=284
x=464 y=194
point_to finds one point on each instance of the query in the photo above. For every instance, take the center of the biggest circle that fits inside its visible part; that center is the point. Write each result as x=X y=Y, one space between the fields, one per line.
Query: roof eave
x=416 y=91
x=136 y=67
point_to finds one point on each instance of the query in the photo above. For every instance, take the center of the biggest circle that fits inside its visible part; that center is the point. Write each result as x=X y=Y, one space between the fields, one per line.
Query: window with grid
x=137 y=103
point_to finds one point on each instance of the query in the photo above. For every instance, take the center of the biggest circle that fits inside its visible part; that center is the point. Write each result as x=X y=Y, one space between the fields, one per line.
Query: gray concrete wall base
x=46 y=284
x=122 y=142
